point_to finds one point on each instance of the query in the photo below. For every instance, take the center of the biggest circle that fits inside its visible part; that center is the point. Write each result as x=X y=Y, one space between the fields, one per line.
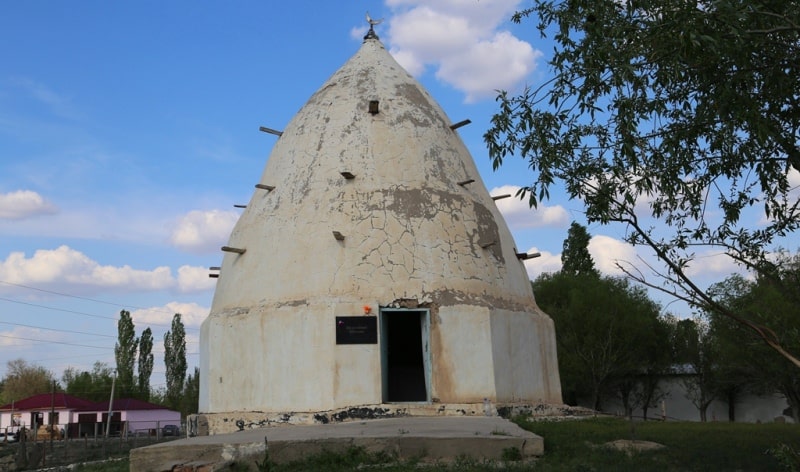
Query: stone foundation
x=204 y=424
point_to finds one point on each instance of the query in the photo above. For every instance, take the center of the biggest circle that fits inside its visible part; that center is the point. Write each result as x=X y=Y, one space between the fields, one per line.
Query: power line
x=62 y=358
x=87 y=314
x=53 y=342
x=62 y=294
x=81 y=298
x=57 y=330
x=58 y=309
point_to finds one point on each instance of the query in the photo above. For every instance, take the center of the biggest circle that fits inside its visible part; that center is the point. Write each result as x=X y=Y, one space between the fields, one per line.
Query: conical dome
x=370 y=205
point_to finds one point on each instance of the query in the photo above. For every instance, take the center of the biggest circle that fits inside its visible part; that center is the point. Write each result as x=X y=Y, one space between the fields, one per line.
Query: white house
x=46 y=409
x=128 y=416
x=77 y=417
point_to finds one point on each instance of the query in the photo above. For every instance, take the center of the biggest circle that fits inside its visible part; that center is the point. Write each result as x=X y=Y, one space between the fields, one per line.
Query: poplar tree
x=145 y=363
x=575 y=257
x=191 y=393
x=175 y=361
x=125 y=354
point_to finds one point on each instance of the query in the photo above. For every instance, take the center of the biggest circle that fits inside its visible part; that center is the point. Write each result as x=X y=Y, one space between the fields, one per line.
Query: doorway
x=405 y=355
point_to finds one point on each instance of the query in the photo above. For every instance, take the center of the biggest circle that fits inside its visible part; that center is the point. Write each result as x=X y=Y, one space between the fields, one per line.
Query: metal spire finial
x=371 y=33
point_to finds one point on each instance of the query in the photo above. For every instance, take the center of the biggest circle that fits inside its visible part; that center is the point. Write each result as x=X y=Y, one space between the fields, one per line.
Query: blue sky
x=129 y=130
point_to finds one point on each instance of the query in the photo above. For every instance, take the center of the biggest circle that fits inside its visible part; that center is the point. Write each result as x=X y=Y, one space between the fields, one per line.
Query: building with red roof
x=78 y=417
x=128 y=416
x=37 y=410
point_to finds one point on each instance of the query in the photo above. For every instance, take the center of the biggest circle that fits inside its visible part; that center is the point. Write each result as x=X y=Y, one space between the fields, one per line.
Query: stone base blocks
x=426 y=438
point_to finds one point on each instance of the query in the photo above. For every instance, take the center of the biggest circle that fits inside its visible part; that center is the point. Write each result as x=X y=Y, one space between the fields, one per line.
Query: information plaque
x=356 y=330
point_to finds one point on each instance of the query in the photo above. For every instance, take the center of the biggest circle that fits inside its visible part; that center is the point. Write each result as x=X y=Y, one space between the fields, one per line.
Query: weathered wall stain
x=413 y=237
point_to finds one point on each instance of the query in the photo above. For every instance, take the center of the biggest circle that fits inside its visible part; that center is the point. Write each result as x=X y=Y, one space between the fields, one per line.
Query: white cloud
x=519 y=215
x=410 y=62
x=192 y=314
x=483 y=15
x=22 y=337
x=194 y=279
x=716 y=264
x=203 y=231
x=499 y=63
x=23 y=204
x=607 y=252
x=464 y=41
x=546 y=263
x=66 y=266
x=794 y=181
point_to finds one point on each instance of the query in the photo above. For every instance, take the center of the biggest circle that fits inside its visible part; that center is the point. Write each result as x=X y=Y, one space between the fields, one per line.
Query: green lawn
x=577 y=446
x=689 y=446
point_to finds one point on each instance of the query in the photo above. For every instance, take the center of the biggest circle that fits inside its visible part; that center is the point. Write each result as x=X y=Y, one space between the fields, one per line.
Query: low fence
x=32 y=451
x=95 y=430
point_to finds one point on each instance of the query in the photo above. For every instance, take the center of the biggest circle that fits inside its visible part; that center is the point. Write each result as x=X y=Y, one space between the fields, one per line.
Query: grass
x=577 y=446
x=573 y=445
x=121 y=465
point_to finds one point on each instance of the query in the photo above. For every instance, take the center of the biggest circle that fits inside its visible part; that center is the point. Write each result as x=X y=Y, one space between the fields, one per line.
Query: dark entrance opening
x=403 y=355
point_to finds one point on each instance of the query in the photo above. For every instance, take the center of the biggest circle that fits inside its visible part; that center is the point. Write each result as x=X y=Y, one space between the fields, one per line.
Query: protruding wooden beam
x=268 y=188
x=213 y=276
x=373 y=107
x=270 y=131
x=239 y=206
x=488 y=245
x=525 y=256
x=461 y=123
x=215 y=268
x=237 y=250
x=338 y=236
x=348 y=175
x=500 y=197
x=466 y=182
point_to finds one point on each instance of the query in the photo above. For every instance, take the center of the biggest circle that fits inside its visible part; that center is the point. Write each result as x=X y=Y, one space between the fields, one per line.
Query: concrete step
x=429 y=438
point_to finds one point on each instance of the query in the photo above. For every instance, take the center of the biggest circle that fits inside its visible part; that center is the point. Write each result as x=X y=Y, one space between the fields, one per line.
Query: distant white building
x=77 y=417
x=371 y=273
x=129 y=416
x=46 y=409
x=677 y=405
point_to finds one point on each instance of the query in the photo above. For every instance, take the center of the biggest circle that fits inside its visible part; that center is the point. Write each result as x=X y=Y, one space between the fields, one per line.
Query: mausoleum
x=371 y=274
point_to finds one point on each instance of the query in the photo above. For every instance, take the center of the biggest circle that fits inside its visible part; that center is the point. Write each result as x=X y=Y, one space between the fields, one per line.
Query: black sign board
x=356 y=330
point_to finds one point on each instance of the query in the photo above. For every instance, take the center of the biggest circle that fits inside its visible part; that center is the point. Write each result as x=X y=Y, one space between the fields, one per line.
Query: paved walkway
x=434 y=438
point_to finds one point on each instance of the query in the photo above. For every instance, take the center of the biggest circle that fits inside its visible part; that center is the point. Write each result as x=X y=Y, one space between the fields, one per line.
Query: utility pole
x=110 y=404
x=52 y=414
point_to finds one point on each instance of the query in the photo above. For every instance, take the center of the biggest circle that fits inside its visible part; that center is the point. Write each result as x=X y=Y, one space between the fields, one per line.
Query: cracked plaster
x=411 y=232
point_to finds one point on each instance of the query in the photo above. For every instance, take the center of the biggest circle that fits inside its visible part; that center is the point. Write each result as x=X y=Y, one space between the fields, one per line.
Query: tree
x=145 y=363
x=603 y=329
x=773 y=300
x=125 y=354
x=606 y=331
x=190 y=400
x=23 y=380
x=175 y=361
x=641 y=387
x=697 y=358
x=575 y=257
x=686 y=113
x=94 y=385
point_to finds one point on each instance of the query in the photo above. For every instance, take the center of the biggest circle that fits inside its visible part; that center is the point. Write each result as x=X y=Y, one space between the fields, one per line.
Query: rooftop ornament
x=371 y=33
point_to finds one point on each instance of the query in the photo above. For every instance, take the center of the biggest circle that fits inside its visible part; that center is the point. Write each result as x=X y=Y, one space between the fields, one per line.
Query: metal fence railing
x=66 y=444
